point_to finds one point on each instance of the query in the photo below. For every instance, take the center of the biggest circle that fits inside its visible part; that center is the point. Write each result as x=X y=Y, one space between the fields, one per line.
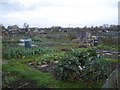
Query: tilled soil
x=48 y=69
x=22 y=83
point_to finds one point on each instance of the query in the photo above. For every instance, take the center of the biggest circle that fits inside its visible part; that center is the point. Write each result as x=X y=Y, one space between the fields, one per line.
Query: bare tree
x=25 y=26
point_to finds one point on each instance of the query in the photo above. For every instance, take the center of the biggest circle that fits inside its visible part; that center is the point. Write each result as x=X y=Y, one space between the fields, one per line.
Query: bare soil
x=22 y=83
x=18 y=83
x=48 y=69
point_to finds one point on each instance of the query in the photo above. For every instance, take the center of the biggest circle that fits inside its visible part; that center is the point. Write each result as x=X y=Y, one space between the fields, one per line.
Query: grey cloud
x=10 y=7
x=44 y=4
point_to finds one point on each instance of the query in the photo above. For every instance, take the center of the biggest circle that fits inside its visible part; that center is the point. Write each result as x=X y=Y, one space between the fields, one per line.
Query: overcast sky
x=46 y=13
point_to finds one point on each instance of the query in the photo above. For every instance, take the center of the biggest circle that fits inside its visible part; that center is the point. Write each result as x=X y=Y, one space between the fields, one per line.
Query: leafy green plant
x=92 y=52
x=68 y=68
x=17 y=53
x=81 y=55
x=96 y=68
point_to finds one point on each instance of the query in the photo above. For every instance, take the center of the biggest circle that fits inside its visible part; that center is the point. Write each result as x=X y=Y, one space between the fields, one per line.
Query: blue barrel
x=27 y=44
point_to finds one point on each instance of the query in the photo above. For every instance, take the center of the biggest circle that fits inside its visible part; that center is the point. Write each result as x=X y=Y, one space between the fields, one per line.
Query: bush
x=87 y=64
x=96 y=68
x=81 y=55
x=68 y=69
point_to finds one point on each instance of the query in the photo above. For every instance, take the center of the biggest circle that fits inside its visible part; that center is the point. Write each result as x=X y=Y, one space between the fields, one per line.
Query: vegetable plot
x=82 y=65
x=17 y=53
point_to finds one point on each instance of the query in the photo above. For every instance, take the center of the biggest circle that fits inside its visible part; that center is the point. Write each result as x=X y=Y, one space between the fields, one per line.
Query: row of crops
x=17 y=53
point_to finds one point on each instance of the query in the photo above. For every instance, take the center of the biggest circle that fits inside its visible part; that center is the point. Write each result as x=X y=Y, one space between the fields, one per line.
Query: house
x=13 y=28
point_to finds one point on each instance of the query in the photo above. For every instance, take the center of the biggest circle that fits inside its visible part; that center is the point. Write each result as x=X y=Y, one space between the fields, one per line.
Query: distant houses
x=14 y=30
x=57 y=29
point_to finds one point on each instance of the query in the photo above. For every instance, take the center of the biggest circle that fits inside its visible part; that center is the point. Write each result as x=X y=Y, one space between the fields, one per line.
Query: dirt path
x=109 y=54
x=22 y=83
